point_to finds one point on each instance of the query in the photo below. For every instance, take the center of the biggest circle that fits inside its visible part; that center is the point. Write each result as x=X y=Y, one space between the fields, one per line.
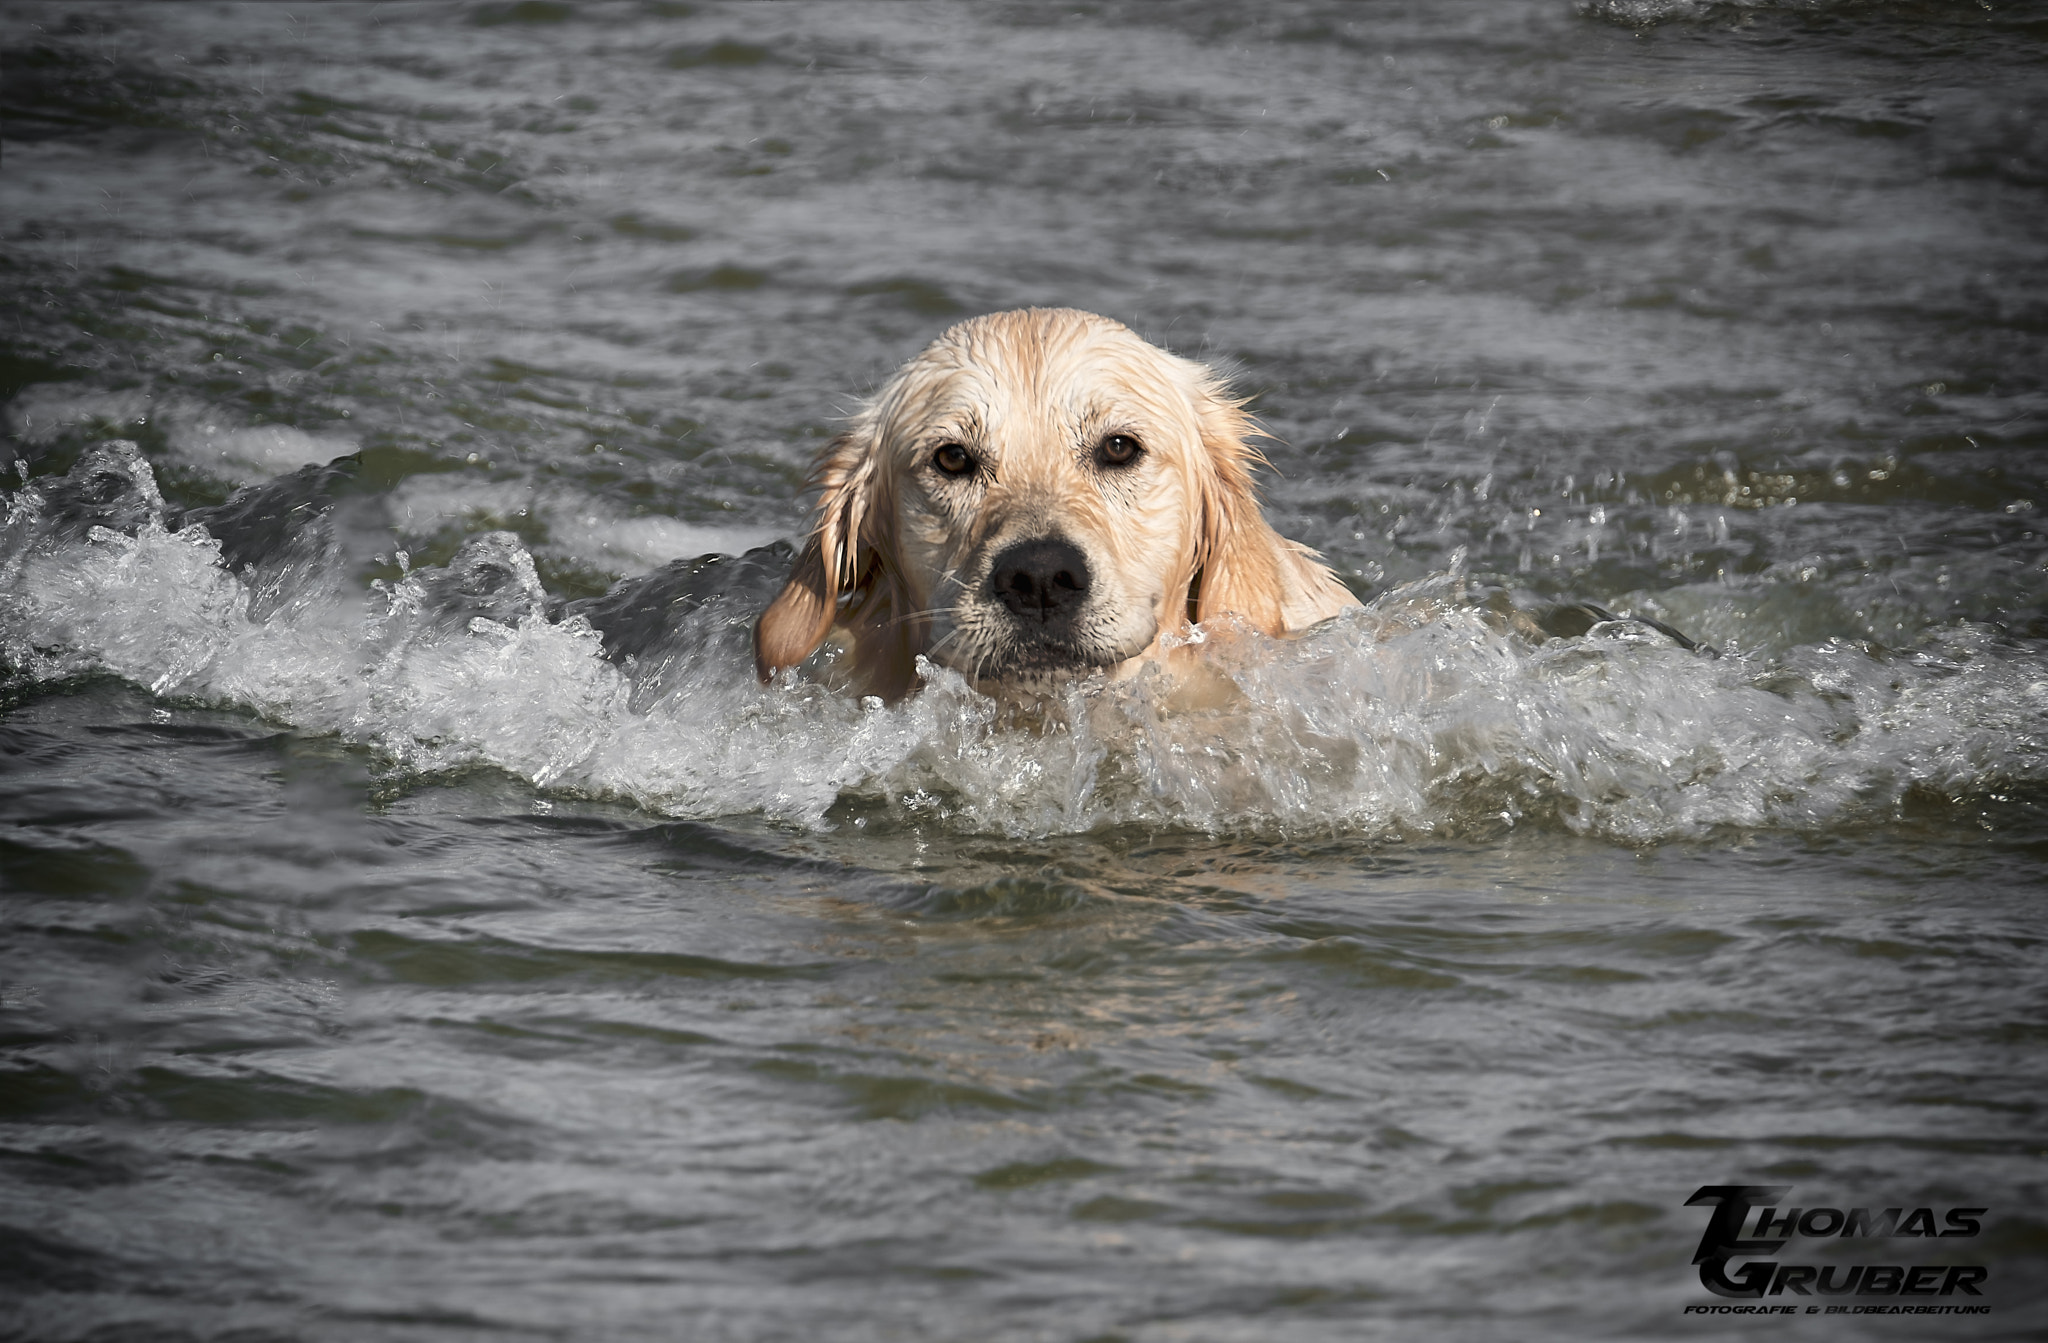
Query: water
x=381 y=961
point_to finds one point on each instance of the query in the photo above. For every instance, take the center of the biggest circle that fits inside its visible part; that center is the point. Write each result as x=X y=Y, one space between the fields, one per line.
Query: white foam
x=1412 y=716
x=43 y=411
x=634 y=545
x=201 y=436
x=1642 y=13
x=252 y=452
x=578 y=526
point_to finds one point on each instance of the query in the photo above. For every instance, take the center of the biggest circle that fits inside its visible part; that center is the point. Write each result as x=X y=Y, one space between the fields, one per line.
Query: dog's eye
x=953 y=459
x=1118 y=450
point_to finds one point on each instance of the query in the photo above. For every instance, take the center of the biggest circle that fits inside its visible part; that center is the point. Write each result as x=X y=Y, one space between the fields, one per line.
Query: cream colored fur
x=899 y=558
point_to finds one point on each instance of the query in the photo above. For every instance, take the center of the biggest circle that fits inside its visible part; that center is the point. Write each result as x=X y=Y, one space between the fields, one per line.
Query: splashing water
x=1423 y=712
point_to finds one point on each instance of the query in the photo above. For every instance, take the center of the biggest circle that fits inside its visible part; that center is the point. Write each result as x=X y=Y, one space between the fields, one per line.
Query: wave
x=1436 y=709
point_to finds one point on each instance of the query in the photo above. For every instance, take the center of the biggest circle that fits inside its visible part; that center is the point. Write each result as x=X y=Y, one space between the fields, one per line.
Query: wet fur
x=899 y=555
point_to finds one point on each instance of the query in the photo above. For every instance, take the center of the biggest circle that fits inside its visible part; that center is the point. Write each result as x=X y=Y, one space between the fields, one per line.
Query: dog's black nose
x=1041 y=580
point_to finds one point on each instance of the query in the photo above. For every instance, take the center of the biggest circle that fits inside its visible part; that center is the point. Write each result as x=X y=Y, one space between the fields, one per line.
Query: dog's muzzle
x=1044 y=586
x=1042 y=582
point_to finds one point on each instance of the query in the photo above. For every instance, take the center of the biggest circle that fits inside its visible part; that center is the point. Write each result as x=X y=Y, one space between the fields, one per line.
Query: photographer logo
x=1754 y=1223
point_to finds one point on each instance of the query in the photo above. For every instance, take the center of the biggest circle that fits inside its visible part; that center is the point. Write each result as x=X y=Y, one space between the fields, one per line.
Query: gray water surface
x=379 y=961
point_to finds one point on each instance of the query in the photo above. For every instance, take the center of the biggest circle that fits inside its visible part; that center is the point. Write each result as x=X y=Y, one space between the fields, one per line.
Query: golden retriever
x=1037 y=492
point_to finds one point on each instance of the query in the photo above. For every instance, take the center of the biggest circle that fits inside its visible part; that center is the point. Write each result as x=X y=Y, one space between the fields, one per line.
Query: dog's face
x=1036 y=492
x=1043 y=494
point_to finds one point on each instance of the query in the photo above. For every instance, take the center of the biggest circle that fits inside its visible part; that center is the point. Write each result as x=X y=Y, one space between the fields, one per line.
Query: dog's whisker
x=895 y=621
x=933 y=651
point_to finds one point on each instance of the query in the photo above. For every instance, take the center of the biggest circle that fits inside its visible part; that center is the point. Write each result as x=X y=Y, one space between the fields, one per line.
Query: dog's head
x=1037 y=492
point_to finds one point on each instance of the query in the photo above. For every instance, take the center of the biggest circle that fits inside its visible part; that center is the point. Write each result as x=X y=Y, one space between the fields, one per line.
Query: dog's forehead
x=1005 y=378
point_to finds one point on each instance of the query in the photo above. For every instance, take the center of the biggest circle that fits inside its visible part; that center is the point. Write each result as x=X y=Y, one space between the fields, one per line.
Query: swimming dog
x=1035 y=493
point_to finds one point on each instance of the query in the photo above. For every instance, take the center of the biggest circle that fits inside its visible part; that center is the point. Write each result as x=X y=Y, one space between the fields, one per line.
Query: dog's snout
x=1042 y=580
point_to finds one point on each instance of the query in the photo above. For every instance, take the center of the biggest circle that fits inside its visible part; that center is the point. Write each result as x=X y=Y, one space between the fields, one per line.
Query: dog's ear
x=1236 y=567
x=1242 y=566
x=837 y=560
